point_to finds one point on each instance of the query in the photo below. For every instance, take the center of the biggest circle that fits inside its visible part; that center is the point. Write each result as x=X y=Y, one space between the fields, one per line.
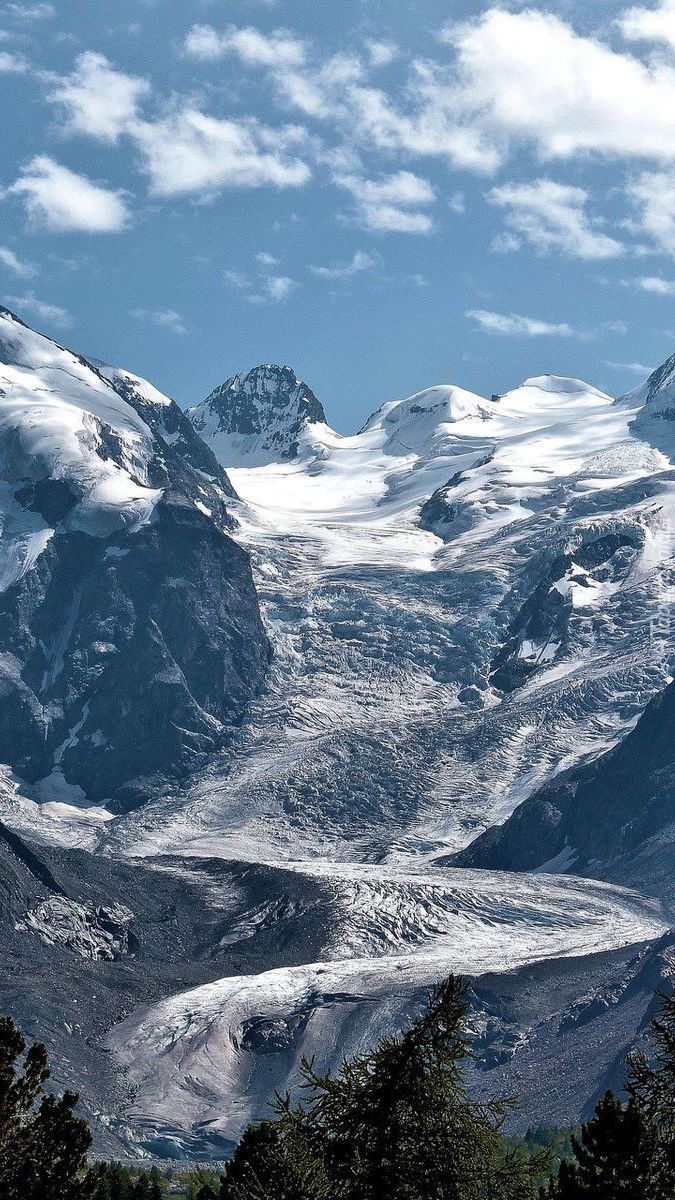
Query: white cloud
x=649 y=24
x=517 y=326
x=360 y=261
x=566 y=95
x=522 y=78
x=551 y=216
x=635 y=368
x=653 y=283
x=47 y=312
x=319 y=91
x=277 y=49
x=236 y=279
x=391 y=204
x=509 y=79
x=190 y=152
x=166 y=318
x=12 y=64
x=381 y=54
x=653 y=194
x=274 y=289
x=31 y=12
x=98 y=100
x=185 y=151
x=9 y=259
x=262 y=286
x=58 y=200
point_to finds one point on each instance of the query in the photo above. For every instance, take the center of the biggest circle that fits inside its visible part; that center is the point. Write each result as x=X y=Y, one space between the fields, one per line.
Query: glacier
x=465 y=600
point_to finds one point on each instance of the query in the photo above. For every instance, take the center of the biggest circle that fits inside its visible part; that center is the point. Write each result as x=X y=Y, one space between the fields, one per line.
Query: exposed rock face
x=461 y=599
x=258 y=417
x=607 y=817
x=130 y=636
x=541 y=624
x=92 y=931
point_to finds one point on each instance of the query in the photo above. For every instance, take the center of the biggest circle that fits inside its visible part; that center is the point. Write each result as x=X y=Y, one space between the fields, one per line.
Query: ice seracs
x=466 y=601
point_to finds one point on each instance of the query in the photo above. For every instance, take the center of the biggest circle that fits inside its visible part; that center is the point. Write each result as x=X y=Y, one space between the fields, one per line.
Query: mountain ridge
x=337 y=662
x=258 y=415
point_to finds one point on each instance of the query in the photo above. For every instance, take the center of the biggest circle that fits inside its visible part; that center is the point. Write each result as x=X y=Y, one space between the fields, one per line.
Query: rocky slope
x=258 y=417
x=130 y=637
x=467 y=601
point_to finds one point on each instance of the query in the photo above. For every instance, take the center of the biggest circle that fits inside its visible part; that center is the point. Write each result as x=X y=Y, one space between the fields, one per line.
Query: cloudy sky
x=384 y=194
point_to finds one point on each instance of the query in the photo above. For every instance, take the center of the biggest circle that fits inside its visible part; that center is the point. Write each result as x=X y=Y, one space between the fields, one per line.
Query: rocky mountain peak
x=257 y=416
x=661 y=382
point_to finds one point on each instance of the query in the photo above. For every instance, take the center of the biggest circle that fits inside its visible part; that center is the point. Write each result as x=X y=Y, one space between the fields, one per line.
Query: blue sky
x=382 y=195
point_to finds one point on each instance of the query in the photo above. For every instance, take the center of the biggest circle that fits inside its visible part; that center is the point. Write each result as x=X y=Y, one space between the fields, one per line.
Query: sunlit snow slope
x=463 y=599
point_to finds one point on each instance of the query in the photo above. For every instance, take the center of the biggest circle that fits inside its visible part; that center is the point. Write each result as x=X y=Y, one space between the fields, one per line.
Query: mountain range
x=292 y=723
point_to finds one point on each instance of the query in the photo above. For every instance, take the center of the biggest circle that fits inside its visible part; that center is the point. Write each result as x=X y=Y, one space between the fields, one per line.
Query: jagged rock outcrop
x=607 y=818
x=257 y=417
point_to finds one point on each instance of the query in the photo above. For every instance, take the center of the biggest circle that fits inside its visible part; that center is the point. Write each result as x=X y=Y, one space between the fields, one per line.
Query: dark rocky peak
x=257 y=417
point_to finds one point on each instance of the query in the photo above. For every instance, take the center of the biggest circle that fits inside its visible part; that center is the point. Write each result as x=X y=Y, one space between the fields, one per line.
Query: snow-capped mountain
x=467 y=602
x=130 y=637
x=258 y=417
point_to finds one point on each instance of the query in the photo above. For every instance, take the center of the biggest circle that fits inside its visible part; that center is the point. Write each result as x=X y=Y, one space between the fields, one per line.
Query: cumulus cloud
x=9 y=259
x=551 y=216
x=190 y=152
x=656 y=285
x=380 y=54
x=273 y=290
x=359 y=262
x=277 y=49
x=515 y=325
x=46 y=312
x=31 y=12
x=97 y=99
x=640 y=24
x=59 y=200
x=569 y=94
x=653 y=195
x=263 y=286
x=185 y=150
x=165 y=318
x=392 y=204
x=236 y=279
x=12 y=64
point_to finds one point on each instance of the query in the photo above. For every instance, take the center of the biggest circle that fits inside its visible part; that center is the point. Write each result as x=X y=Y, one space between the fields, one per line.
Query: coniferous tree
x=627 y=1151
x=43 y=1145
x=612 y=1155
x=276 y=1160
x=394 y=1124
x=651 y=1085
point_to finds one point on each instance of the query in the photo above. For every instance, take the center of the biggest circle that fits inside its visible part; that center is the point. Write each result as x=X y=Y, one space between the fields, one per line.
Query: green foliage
x=627 y=1150
x=112 y=1181
x=394 y=1124
x=43 y=1145
x=554 y=1138
x=612 y=1155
